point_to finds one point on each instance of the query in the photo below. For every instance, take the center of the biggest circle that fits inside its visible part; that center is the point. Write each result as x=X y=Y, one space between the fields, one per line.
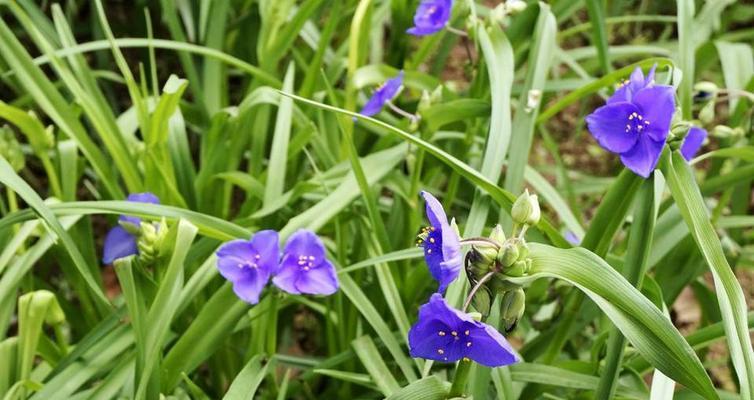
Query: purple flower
x=693 y=142
x=635 y=122
x=572 y=238
x=431 y=17
x=382 y=95
x=121 y=242
x=445 y=334
x=248 y=264
x=442 y=247
x=305 y=268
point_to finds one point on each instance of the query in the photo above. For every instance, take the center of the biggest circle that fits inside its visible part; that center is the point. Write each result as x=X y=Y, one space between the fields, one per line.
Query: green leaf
x=247 y=381
x=280 y=139
x=650 y=332
x=375 y=365
x=730 y=296
x=18 y=185
x=429 y=388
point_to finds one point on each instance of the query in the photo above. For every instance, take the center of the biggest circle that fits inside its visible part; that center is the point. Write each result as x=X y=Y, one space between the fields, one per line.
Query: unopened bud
x=722 y=132
x=707 y=113
x=497 y=234
x=517 y=269
x=512 y=308
x=704 y=91
x=151 y=239
x=515 y=6
x=526 y=209
x=508 y=254
x=523 y=250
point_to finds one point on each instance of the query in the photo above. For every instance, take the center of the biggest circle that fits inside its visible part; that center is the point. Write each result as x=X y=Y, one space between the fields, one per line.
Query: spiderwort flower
x=693 y=142
x=248 y=264
x=445 y=334
x=635 y=122
x=305 y=267
x=382 y=95
x=431 y=17
x=442 y=247
x=121 y=240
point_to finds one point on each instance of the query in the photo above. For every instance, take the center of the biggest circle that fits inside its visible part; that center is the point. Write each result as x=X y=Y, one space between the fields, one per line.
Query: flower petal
x=642 y=159
x=304 y=242
x=488 y=347
x=118 y=244
x=611 y=126
x=657 y=105
x=231 y=258
x=251 y=285
x=424 y=341
x=287 y=275
x=693 y=142
x=435 y=212
x=145 y=197
x=266 y=244
x=320 y=280
x=382 y=95
x=431 y=16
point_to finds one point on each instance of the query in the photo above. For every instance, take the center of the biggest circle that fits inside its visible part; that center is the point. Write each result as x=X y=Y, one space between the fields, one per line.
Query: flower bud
x=515 y=6
x=513 y=306
x=150 y=240
x=534 y=96
x=517 y=269
x=722 y=132
x=707 y=113
x=497 y=234
x=523 y=250
x=477 y=265
x=526 y=209
x=508 y=254
x=705 y=91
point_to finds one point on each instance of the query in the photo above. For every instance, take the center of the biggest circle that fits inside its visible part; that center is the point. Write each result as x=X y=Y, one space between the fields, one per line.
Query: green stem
x=459 y=380
x=637 y=253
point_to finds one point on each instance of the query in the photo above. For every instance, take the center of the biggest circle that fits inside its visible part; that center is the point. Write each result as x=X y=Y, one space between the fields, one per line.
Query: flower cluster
x=443 y=333
x=124 y=239
x=303 y=267
x=635 y=122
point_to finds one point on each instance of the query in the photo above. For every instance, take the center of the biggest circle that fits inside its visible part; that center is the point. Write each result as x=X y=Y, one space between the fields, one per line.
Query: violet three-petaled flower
x=693 y=141
x=635 y=122
x=445 y=334
x=305 y=268
x=431 y=16
x=382 y=95
x=120 y=242
x=442 y=247
x=248 y=264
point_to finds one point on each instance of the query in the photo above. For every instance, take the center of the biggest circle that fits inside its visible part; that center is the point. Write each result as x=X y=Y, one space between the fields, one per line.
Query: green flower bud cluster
x=150 y=240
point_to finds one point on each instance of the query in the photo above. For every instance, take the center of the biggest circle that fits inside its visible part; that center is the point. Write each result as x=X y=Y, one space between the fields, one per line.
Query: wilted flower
x=121 y=240
x=635 y=122
x=305 y=267
x=445 y=334
x=693 y=142
x=442 y=247
x=431 y=17
x=382 y=95
x=248 y=264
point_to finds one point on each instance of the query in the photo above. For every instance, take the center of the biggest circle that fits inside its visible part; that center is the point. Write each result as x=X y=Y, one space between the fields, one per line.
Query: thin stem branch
x=476 y=287
x=402 y=112
x=481 y=241
x=456 y=31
